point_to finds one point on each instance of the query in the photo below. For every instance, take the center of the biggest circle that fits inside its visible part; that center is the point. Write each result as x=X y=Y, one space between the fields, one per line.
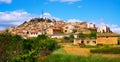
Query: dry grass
x=76 y=50
x=70 y=49
x=108 y=55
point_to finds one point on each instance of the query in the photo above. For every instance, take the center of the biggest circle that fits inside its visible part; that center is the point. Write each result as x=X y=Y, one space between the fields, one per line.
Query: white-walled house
x=90 y=25
x=103 y=28
x=34 y=33
x=68 y=29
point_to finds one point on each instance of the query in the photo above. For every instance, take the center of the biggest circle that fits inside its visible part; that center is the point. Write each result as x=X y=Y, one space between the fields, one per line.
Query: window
x=88 y=41
x=65 y=30
x=94 y=41
x=106 y=37
x=82 y=42
x=66 y=27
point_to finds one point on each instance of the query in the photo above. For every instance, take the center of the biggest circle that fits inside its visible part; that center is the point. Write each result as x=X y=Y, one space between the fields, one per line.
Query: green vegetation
x=97 y=46
x=89 y=46
x=67 y=39
x=14 y=48
x=61 y=56
x=40 y=20
x=71 y=38
x=76 y=58
x=91 y=35
x=82 y=36
x=107 y=50
x=119 y=40
x=74 y=30
x=10 y=46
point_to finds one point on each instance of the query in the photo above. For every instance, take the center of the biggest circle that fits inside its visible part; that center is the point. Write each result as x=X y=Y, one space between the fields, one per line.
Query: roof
x=108 y=35
x=1 y=31
x=20 y=31
x=34 y=31
x=56 y=28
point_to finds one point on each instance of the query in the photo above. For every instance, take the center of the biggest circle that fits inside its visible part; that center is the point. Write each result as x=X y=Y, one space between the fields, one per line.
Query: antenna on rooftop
x=42 y=13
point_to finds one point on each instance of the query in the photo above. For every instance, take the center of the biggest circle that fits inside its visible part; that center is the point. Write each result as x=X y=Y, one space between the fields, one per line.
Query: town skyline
x=15 y=12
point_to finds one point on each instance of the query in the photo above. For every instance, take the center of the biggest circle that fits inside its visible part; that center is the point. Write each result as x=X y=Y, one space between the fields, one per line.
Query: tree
x=37 y=47
x=10 y=46
x=93 y=34
x=71 y=37
x=74 y=30
x=46 y=43
x=13 y=48
x=81 y=36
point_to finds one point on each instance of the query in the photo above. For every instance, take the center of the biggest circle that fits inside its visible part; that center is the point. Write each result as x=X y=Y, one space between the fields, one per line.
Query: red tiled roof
x=57 y=28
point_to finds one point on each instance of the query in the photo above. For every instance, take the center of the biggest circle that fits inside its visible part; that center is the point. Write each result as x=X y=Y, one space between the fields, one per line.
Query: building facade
x=103 y=28
x=88 y=41
x=107 y=39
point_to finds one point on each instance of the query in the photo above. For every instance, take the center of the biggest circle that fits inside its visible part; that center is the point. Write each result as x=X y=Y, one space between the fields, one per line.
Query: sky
x=15 y=12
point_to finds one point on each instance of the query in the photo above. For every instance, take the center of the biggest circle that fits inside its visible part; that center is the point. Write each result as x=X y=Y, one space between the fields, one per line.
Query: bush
x=10 y=46
x=110 y=50
x=13 y=48
x=37 y=47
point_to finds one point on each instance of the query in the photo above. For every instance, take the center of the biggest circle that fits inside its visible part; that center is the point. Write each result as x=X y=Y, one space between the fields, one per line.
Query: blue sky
x=14 y=12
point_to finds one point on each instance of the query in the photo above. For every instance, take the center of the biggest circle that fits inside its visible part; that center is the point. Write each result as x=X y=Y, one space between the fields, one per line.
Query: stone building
x=86 y=41
x=107 y=38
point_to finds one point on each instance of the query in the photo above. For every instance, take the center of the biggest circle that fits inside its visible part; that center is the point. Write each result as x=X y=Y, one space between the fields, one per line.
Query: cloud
x=67 y=1
x=98 y=22
x=17 y=17
x=79 y=6
x=115 y=28
x=74 y=20
x=14 y=18
x=48 y=15
x=6 y=1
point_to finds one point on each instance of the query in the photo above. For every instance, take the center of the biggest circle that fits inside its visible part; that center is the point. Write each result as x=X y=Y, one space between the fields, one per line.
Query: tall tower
x=42 y=13
x=43 y=29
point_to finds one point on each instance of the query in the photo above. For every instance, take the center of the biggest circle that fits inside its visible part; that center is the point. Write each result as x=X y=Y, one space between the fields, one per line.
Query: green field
x=61 y=56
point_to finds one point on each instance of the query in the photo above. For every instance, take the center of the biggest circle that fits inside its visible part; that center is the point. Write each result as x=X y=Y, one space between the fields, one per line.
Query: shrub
x=110 y=50
x=10 y=46
x=13 y=48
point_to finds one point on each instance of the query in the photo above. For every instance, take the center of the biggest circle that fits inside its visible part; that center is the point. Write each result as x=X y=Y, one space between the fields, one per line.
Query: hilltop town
x=41 y=39
x=81 y=32
x=38 y=26
x=59 y=30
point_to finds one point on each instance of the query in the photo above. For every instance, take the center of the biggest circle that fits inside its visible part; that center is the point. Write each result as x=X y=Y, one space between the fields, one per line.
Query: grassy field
x=110 y=50
x=61 y=55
